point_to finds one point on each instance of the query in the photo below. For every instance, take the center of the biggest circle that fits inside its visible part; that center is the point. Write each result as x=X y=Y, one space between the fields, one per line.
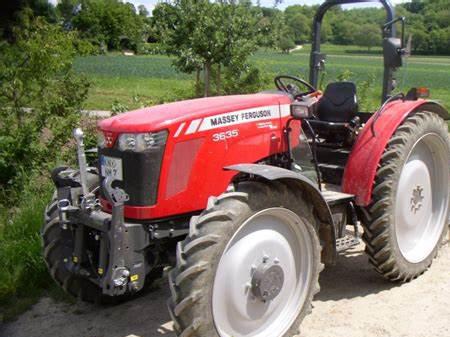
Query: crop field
x=145 y=80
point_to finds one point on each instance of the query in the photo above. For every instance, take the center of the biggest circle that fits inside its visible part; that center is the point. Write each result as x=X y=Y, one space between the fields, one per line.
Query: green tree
x=368 y=35
x=67 y=9
x=203 y=35
x=10 y=14
x=142 y=10
x=300 y=26
x=110 y=22
x=40 y=99
x=285 y=44
x=344 y=32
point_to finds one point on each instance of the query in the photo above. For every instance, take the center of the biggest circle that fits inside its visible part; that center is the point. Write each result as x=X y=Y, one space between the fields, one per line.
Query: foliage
x=109 y=22
x=117 y=107
x=248 y=79
x=202 y=34
x=285 y=44
x=22 y=270
x=10 y=14
x=40 y=99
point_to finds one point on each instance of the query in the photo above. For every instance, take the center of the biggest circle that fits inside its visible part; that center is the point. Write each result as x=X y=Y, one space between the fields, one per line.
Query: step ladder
x=334 y=197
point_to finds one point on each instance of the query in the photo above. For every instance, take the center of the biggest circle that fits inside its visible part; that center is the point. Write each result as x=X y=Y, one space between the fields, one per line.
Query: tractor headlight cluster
x=101 y=141
x=140 y=142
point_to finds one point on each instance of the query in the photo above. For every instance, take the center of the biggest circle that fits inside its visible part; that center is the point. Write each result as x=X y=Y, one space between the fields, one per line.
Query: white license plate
x=111 y=167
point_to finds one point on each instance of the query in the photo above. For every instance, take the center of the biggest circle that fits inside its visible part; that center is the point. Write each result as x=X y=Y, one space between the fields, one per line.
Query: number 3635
x=217 y=137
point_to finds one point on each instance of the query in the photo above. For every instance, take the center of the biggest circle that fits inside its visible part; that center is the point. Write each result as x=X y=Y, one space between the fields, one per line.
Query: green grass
x=132 y=80
x=145 y=80
x=23 y=275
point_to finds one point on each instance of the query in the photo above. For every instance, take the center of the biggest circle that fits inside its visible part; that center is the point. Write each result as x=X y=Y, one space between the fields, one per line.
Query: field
x=145 y=80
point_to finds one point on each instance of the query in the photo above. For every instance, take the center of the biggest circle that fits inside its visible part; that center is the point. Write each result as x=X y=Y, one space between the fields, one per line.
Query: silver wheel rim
x=275 y=236
x=422 y=198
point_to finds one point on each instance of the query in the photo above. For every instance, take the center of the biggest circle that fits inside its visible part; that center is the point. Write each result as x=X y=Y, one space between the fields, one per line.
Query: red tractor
x=252 y=195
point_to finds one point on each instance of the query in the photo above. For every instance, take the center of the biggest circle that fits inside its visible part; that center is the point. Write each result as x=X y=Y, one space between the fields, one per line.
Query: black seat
x=339 y=103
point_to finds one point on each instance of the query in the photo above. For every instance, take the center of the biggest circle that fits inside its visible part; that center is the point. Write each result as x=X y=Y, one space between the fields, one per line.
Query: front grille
x=141 y=171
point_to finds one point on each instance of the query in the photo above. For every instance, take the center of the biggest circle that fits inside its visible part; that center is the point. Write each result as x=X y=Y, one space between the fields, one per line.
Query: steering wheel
x=289 y=87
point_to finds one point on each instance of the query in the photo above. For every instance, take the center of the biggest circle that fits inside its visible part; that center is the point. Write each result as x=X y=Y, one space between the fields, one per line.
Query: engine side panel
x=197 y=151
x=360 y=170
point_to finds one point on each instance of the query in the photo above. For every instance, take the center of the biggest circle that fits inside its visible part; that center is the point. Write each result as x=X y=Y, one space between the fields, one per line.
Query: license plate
x=111 y=167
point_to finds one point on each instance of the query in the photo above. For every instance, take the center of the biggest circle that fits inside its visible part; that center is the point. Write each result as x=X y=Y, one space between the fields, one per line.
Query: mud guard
x=360 y=171
x=327 y=232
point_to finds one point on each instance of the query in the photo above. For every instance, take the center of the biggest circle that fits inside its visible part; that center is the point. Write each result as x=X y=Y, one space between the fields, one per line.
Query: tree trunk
x=218 y=79
x=207 y=77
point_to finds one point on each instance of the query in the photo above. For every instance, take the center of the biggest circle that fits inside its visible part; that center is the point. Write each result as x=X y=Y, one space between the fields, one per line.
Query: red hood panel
x=162 y=116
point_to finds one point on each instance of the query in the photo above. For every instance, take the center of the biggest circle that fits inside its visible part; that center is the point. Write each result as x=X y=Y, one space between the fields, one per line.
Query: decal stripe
x=193 y=126
x=255 y=114
x=285 y=110
x=180 y=128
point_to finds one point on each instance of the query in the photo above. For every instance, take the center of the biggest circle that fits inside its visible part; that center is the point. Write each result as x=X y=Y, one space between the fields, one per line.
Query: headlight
x=100 y=139
x=139 y=142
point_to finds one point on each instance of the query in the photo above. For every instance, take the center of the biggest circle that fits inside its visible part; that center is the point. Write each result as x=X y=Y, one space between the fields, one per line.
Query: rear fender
x=362 y=165
x=326 y=228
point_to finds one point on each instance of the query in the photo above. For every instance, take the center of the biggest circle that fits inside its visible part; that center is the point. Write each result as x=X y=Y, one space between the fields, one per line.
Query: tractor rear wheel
x=249 y=266
x=407 y=220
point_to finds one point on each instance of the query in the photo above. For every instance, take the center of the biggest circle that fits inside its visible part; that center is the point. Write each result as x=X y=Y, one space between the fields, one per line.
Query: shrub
x=243 y=80
x=285 y=44
x=40 y=100
x=23 y=274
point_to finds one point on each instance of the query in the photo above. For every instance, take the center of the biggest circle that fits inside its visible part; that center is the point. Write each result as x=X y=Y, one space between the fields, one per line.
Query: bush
x=243 y=80
x=40 y=100
x=23 y=274
x=150 y=49
x=285 y=44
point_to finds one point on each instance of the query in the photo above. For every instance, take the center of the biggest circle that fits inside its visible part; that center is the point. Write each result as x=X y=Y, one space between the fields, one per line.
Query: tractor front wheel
x=58 y=247
x=249 y=266
x=407 y=220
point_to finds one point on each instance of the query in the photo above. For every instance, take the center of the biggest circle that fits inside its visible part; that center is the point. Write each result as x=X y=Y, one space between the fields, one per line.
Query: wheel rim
x=274 y=239
x=422 y=198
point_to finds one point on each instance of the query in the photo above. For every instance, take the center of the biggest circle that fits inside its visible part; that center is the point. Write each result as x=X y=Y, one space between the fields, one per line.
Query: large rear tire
x=407 y=220
x=249 y=266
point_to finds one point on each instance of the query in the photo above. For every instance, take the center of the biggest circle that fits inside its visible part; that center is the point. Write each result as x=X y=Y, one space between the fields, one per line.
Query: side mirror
x=392 y=51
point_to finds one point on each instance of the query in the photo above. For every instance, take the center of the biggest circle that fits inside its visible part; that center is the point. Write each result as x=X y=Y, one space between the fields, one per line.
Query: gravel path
x=354 y=302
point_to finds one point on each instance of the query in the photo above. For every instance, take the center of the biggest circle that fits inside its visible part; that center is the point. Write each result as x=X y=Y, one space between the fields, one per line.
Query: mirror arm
x=388 y=26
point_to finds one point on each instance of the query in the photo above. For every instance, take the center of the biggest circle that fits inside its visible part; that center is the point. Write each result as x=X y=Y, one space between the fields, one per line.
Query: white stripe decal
x=193 y=126
x=285 y=110
x=180 y=128
x=240 y=117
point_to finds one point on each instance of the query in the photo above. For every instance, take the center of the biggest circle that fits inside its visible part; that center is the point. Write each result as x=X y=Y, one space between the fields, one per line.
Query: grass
x=146 y=80
x=23 y=275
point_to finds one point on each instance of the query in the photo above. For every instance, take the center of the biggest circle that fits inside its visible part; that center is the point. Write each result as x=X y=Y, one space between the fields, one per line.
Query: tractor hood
x=163 y=116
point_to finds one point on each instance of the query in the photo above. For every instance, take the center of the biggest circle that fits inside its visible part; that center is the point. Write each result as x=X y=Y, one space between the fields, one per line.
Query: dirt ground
x=354 y=302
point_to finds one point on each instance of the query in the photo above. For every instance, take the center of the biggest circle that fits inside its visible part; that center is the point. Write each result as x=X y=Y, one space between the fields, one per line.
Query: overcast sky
x=150 y=4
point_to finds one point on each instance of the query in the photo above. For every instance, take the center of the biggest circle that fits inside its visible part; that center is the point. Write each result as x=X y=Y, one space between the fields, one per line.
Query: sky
x=150 y=4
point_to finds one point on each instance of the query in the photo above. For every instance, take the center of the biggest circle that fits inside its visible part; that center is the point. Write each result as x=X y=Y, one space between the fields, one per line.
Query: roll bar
x=317 y=58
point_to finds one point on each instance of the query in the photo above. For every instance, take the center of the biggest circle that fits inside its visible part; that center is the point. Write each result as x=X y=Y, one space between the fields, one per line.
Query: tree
x=300 y=27
x=344 y=32
x=10 y=14
x=40 y=98
x=142 y=10
x=299 y=19
x=67 y=9
x=203 y=35
x=109 y=22
x=285 y=44
x=368 y=35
